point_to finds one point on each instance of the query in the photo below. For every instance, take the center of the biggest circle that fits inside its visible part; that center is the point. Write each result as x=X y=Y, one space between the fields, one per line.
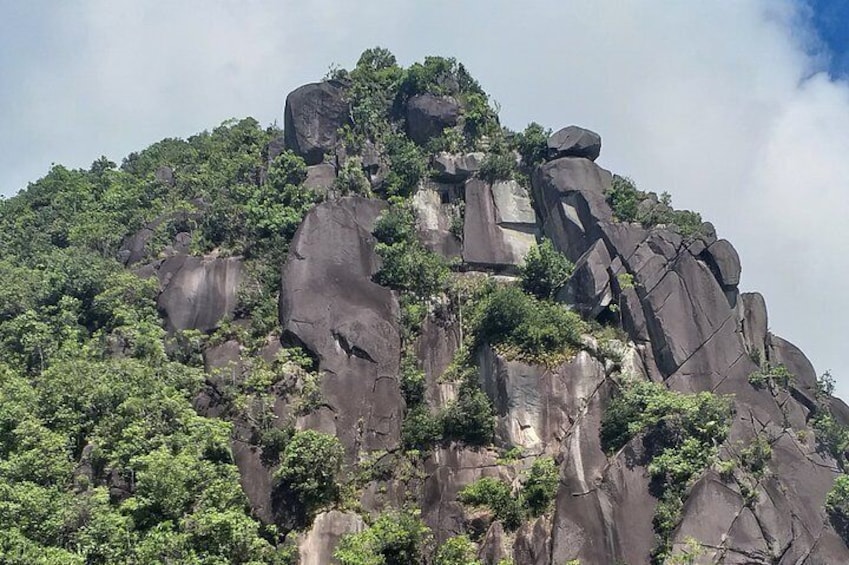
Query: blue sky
x=831 y=21
x=739 y=109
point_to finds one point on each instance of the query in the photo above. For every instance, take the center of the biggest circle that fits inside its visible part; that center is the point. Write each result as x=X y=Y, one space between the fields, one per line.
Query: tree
x=308 y=468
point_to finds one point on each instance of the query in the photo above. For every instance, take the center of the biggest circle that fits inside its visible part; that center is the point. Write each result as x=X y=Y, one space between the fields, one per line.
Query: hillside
x=396 y=332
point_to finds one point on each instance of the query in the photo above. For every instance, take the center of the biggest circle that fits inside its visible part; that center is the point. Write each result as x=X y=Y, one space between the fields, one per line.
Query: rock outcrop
x=312 y=116
x=428 y=115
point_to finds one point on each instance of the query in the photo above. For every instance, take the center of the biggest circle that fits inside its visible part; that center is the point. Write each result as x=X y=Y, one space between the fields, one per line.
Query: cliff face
x=688 y=326
x=438 y=383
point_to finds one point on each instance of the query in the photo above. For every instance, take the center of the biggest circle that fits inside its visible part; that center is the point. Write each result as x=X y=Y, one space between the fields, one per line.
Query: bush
x=532 y=144
x=756 y=457
x=495 y=495
x=395 y=538
x=771 y=376
x=407 y=264
x=458 y=550
x=421 y=430
x=625 y=200
x=540 y=488
x=545 y=270
x=470 y=418
x=832 y=437
x=521 y=326
x=308 y=468
x=498 y=166
x=837 y=500
x=352 y=179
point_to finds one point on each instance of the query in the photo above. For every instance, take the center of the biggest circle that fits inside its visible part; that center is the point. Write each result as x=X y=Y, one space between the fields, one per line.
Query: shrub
x=352 y=179
x=395 y=538
x=532 y=144
x=755 y=457
x=832 y=437
x=498 y=166
x=421 y=430
x=771 y=376
x=470 y=418
x=407 y=165
x=625 y=200
x=458 y=550
x=540 y=488
x=545 y=270
x=308 y=468
x=495 y=495
x=522 y=326
x=837 y=500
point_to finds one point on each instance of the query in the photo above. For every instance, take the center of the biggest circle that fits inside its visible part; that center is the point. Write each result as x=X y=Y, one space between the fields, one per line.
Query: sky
x=739 y=109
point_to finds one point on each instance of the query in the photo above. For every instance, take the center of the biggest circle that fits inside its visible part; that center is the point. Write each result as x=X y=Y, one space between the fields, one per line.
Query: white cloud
x=716 y=102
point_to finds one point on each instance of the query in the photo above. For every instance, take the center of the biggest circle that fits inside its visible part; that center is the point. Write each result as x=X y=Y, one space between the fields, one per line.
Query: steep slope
x=410 y=336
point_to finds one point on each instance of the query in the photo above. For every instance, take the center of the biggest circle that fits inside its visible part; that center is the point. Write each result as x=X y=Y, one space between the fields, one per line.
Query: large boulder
x=349 y=324
x=499 y=225
x=438 y=221
x=589 y=289
x=574 y=141
x=456 y=168
x=311 y=118
x=316 y=546
x=198 y=292
x=428 y=115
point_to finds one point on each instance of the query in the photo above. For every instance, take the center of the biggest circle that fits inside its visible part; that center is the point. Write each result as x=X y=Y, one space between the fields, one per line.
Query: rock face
x=198 y=293
x=500 y=225
x=313 y=114
x=428 y=115
x=330 y=306
x=574 y=141
x=676 y=298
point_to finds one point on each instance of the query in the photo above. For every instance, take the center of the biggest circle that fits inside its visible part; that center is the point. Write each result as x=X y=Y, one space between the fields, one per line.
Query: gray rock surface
x=488 y=242
x=437 y=220
x=330 y=306
x=320 y=177
x=457 y=168
x=311 y=117
x=589 y=289
x=428 y=115
x=317 y=545
x=196 y=292
x=574 y=141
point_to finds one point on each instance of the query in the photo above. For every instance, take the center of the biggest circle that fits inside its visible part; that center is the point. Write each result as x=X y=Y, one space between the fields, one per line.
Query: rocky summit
x=396 y=332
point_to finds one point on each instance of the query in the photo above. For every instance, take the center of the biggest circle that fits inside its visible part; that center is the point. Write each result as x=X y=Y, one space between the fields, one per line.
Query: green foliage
x=498 y=166
x=832 y=437
x=395 y=538
x=837 y=501
x=535 y=498
x=756 y=456
x=421 y=430
x=545 y=270
x=497 y=496
x=522 y=326
x=308 y=468
x=772 y=376
x=532 y=144
x=440 y=76
x=351 y=179
x=470 y=418
x=630 y=204
x=540 y=487
x=407 y=264
x=458 y=550
x=681 y=433
x=407 y=165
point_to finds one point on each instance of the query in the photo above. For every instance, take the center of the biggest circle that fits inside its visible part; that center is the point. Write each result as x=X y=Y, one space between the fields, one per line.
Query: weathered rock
x=533 y=542
x=320 y=177
x=165 y=175
x=574 y=141
x=512 y=205
x=535 y=406
x=135 y=248
x=330 y=306
x=438 y=222
x=428 y=115
x=782 y=352
x=493 y=549
x=489 y=243
x=588 y=289
x=724 y=261
x=569 y=195
x=457 y=168
x=448 y=470
x=317 y=545
x=754 y=324
x=197 y=292
x=312 y=116
x=274 y=148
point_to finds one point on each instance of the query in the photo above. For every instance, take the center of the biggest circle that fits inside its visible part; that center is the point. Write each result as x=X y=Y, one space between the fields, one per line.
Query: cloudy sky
x=739 y=109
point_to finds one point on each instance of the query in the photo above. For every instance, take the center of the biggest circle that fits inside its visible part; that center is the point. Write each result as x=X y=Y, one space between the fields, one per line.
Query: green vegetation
x=532 y=144
x=772 y=376
x=680 y=431
x=395 y=538
x=545 y=271
x=458 y=550
x=535 y=498
x=519 y=325
x=837 y=505
x=756 y=456
x=308 y=469
x=633 y=205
